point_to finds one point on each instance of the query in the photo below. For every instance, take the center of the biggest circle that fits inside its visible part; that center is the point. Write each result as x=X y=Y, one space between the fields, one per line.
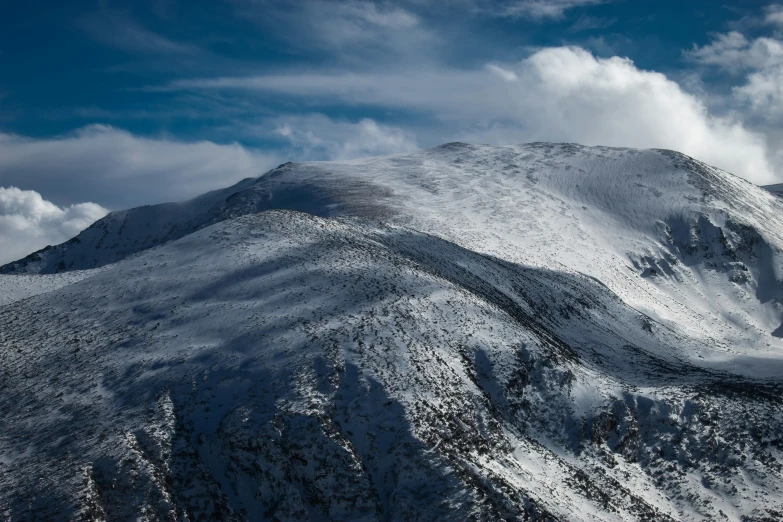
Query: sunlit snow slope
x=550 y=332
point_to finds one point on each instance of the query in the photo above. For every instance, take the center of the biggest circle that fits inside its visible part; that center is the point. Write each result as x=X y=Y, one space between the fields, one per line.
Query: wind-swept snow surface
x=544 y=332
x=17 y=287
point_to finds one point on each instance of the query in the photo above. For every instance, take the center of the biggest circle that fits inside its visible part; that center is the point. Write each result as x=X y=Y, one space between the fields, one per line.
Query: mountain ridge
x=188 y=214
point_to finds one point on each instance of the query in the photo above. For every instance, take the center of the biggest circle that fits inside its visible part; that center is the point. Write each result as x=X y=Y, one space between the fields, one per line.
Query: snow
x=16 y=287
x=468 y=331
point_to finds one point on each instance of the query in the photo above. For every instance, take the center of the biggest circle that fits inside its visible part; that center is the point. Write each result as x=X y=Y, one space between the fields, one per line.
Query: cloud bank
x=28 y=222
x=556 y=94
x=120 y=170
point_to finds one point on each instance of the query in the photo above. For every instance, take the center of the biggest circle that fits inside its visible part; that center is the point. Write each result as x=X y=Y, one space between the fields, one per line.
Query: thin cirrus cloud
x=588 y=23
x=558 y=94
x=351 y=31
x=543 y=9
x=536 y=10
x=118 y=30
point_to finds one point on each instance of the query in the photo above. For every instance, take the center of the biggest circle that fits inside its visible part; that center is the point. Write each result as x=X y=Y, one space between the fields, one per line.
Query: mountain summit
x=541 y=332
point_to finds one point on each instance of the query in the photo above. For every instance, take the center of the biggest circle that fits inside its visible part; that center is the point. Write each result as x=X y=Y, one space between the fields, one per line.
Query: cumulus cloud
x=28 y=222
x=761 y=59
x=763 y=92
x=119 y=170
x=558 y=94
x=611 y=101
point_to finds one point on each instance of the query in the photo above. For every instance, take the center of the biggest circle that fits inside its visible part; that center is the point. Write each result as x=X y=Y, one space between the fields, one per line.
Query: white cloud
x=541 y=9
x=557 y=94
x=536 y=10
x=505 y=74
x=371 y=13
x=350 y=30
x=763 y=92
x=349 y=23
x=611 y=102
x=317 y=136
x=119 y=170
x=734 y=53
x=761 y=59
x=773 y=14
x=447 y=92
x=28 y=222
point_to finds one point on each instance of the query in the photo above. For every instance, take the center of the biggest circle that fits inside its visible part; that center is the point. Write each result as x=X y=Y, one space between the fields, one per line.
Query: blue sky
x=70 y=64
x=111 y=104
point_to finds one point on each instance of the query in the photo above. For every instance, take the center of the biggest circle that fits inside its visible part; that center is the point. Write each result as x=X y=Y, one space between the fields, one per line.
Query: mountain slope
x=297 y=365
x=545 y=332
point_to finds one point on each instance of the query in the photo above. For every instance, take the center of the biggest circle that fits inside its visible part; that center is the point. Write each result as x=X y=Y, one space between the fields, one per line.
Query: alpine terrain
x=541 y=332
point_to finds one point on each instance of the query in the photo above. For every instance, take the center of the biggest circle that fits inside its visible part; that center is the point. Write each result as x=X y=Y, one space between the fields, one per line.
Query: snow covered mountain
x=542 y=332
